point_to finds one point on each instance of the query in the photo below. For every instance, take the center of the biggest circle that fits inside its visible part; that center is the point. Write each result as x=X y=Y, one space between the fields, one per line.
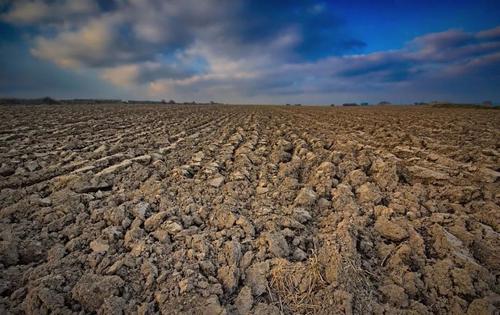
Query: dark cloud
x=29 y=12
x=491 y=34
x=166 y=71
x=445 y=51
x=456 y=45
x=23 y=76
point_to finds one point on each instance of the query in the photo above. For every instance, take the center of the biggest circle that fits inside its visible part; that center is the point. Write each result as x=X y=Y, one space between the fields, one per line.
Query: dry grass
x=357 y=281
x=301 y=288
x=62 y=181
x=296 y=284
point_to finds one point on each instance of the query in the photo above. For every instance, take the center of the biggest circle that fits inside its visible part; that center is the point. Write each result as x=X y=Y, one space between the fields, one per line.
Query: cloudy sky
x=252 y=51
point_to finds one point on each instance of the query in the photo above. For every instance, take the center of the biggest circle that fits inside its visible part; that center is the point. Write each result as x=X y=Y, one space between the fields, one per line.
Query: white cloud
x=91 y=44
x=27 y=12
x=123 y=76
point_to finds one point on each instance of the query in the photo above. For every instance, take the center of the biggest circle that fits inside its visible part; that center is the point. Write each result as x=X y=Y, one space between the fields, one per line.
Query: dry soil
x=249 y=210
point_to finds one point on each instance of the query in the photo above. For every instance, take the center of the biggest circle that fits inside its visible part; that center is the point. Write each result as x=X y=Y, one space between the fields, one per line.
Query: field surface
x=249 y=210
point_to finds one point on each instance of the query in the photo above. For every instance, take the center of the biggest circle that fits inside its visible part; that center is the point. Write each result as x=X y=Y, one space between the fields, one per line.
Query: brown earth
x=249 y=210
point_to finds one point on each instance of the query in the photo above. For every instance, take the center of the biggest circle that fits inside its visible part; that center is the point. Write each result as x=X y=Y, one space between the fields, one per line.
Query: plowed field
x=249 y=210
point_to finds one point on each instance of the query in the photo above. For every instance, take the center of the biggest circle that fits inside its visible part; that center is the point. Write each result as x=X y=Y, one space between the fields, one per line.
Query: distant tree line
x=51 y=101
x=28 y=101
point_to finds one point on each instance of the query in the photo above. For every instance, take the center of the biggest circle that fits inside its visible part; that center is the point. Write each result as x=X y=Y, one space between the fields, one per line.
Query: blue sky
x=312 y=52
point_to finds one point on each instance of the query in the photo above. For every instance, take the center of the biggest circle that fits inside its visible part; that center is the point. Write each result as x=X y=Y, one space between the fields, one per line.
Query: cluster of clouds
x=231 y=50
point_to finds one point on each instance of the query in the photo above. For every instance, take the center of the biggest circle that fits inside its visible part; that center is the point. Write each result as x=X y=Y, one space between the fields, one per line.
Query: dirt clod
x=91 y=290
x=390 y=230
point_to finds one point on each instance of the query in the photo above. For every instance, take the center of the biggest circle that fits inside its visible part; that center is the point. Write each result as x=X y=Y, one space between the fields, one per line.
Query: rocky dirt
x=249 y=210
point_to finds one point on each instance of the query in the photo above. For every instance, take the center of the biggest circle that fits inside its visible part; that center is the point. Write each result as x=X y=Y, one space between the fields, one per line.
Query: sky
x=252 y=51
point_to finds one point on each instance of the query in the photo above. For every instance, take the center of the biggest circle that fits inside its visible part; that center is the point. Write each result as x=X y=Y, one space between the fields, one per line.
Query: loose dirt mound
x=249 y=210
